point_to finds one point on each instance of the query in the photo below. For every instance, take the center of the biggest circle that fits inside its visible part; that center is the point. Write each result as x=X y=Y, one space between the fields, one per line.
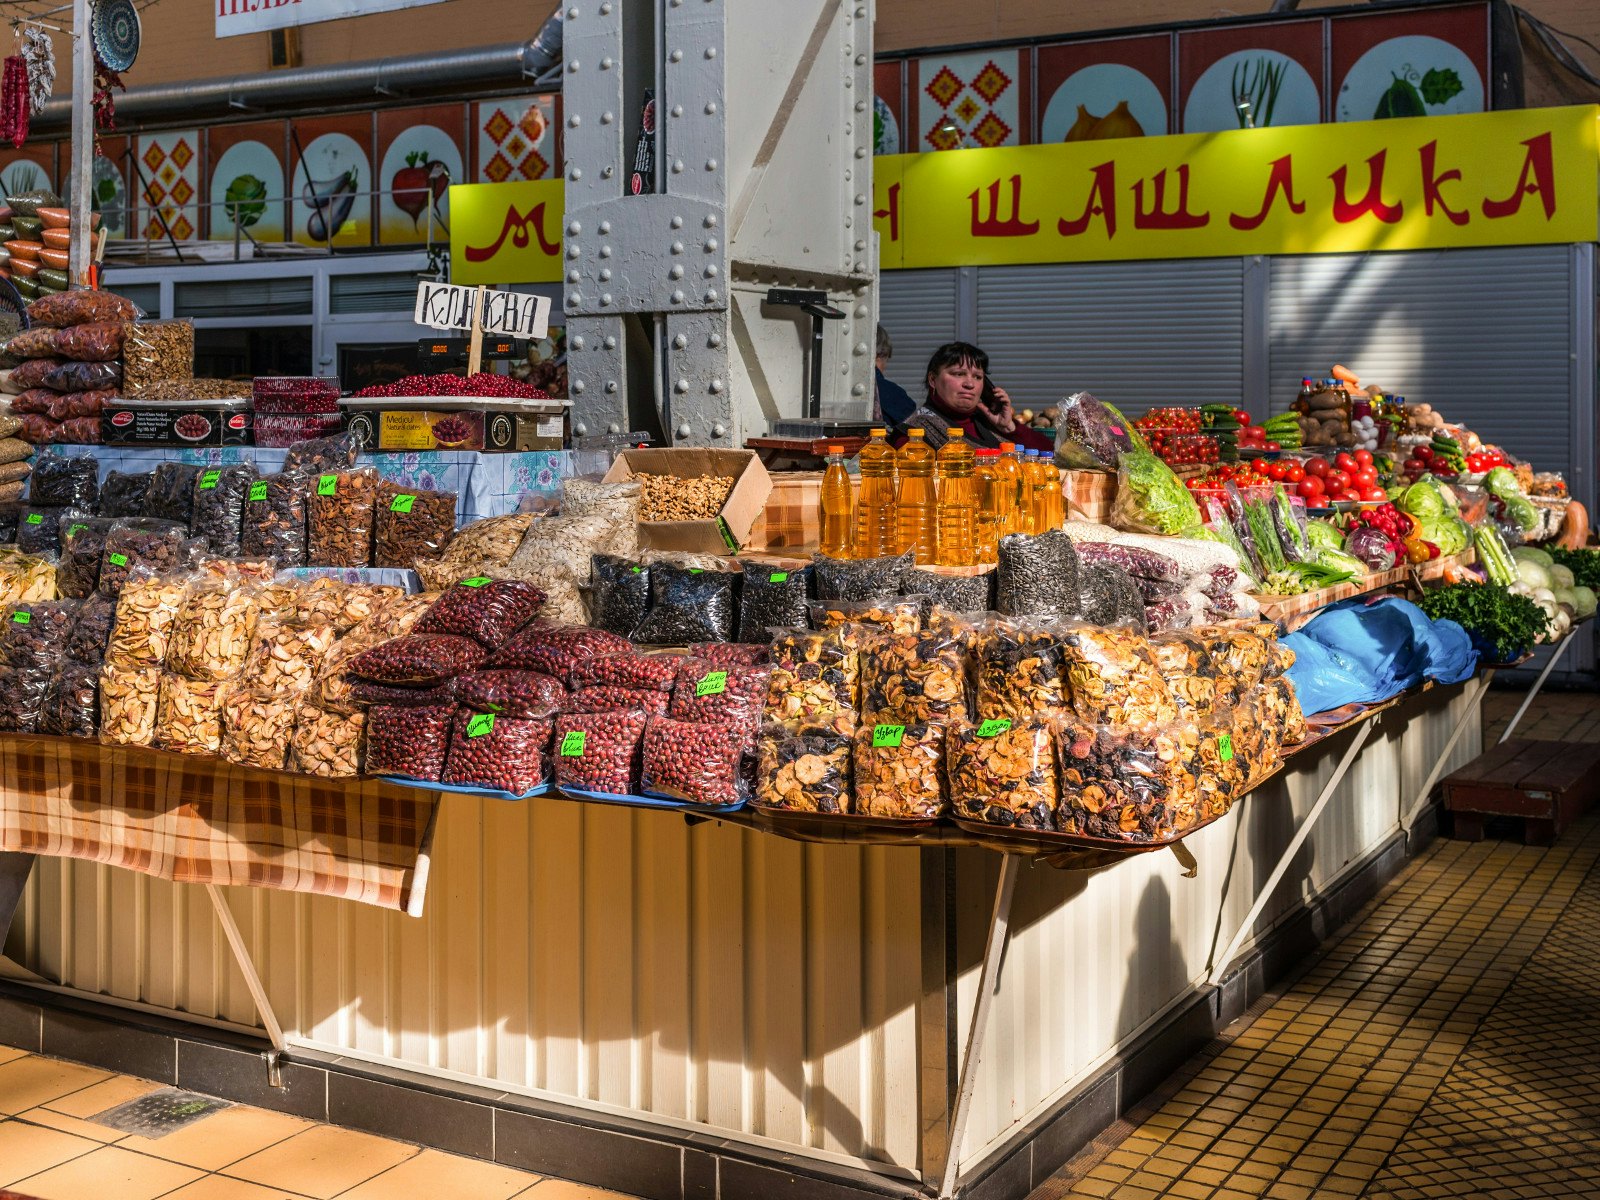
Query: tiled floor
x=1448 y=1045
x=52 y=1149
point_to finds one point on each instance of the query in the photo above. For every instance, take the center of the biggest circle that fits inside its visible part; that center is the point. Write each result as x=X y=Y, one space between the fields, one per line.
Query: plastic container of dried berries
x=294 y=395
x=490 y=423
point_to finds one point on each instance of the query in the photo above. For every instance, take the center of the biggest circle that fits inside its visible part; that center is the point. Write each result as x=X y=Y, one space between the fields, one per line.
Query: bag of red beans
x=598 y=752
x=685 y=760
x=507 y=753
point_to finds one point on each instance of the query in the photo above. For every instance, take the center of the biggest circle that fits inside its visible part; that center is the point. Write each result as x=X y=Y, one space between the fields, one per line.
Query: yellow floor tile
x=224 y=1137
x=92 y=1101
x=220 y=1187
x=322 y=1162
x=439 y=1176
x=108 y=1172
x=29 y=1082
x=8 y=1053
x=27 y=1149
x=51 y=1119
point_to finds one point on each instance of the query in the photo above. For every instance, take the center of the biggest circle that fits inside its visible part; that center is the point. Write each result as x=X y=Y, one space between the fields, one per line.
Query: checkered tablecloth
x=203 y=820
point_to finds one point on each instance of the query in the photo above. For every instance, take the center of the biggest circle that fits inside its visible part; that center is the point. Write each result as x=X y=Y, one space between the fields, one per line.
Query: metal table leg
x=1413 y=812
x=1538 y=683
x=1220 y=963
x=252 y=980
x=14 y=872
x=988 y=986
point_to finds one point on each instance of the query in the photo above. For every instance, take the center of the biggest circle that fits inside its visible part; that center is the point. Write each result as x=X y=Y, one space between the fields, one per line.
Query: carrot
x=1575 y=527
x=1346 y=375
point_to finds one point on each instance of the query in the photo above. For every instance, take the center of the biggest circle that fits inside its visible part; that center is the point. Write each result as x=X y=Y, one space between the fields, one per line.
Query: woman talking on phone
x=961 y=394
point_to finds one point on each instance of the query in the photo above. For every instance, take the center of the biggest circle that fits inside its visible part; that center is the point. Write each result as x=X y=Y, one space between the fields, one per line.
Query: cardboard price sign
x=513 y=314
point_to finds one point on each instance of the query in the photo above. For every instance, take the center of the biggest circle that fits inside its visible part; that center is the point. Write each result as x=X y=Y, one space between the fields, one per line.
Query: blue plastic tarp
x=1365 y=651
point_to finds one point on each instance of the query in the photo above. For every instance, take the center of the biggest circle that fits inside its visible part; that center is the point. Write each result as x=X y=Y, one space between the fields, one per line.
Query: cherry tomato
x=1272 y=446
x=1374 y=493
x=1259 y=465
x=1364 y=457
x=1296 y=473
x=1310 y=487
x=1344 y=461
x=1278 y=471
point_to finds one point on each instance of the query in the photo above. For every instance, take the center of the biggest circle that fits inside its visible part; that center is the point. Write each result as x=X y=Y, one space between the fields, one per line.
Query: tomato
x=1344 y=461
x=1318 y=467
x=1374 y=493
x=1296 y=473
x=1366 y=477
x=1272 y=446
x=1259 y=465
x=1423 y=454
x=1310 y=487
x=1364 y=457
x=1278 y=471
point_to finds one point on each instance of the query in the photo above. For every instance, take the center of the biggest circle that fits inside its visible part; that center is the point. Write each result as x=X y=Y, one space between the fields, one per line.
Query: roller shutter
x=918 y=308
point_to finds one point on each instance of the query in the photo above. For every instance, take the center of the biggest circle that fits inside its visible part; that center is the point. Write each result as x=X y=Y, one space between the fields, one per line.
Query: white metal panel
x=1138 y=334
x=1482 y=335
x=919 y=309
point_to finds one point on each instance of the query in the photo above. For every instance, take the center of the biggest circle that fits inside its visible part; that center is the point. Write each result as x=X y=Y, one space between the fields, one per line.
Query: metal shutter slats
x=918 y=308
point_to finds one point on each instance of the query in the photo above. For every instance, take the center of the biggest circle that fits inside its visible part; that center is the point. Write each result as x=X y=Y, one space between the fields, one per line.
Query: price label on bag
x=258 y=491
x=1225 y=748
x=117 y=560
x=403 y=503
x=887 y=736
x=778 y=577
x=327 y=485
x=572 y=744
x=994 y=728
x=479 y=725
x=74 y=530
x=713 y=683
x=209 y=480
x=476 y=581
x=35 y=519
x=22 y=618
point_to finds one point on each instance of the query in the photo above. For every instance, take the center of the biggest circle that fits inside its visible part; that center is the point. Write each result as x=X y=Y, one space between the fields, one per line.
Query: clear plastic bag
x=488 y=611
x=257 y=725
x=215 y=629
x=72 y=703
x=327 y=744
x=1037 y=576
x=901 y=615
x=1112 y=678
x=273 y=523
x=156 y=352
x=732 y=696
x=1093 y=435
x=365 y=694
x=286 y=658
x=321 y=456
x=84 y=378
x=615 y=504
x=554 y=649
x=619 y=593
x=953 y=593
x=804 y=773
x=557 y=555
x=295 y=394
x=409 y=741
x=1185 y=663
x=598 y=752
x=912 y=678
x=339 y=515
x=410 y=523
x=33 y=637
x=189 y=719
x=91 y=632
x=1003 y=772
x=83 y=542
x=147 y=609
x=97 y=342
x=688 y=605
x=652 y=672
x=815 y=682
x=519 y=694
x=79 y=308
x=1137 y=786
x=38 y=342
x=1151 y=499
x=723 y=654
x=171 y=493
x=122 y=494
x=39 y=529
x=130 y=698
x=1108 y=594
x=899 y=771
x=1019 y=669
x=772 y=598
x=418 y=660
x=474 y=550
x=140 y=543
x=70 y=417
x=689 y=761
x=861 y=578
x=606 y=698
x=64 y=482
x=220 y=495
x=31 y=375
x=508 y=753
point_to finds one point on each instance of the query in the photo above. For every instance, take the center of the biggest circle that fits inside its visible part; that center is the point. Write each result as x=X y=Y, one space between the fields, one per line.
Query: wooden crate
x=1088 y=495
x=1547 y=784
x=793 y=515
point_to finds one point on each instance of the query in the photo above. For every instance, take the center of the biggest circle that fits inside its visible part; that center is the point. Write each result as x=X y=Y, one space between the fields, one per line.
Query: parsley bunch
x=1508 y=624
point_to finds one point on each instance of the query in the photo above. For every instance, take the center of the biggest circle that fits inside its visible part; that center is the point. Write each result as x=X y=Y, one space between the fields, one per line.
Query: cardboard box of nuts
x=728 y=529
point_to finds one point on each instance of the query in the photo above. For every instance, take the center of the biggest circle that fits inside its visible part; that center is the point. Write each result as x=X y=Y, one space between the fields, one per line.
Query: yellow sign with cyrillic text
x=1489 y=179
x=506 y=232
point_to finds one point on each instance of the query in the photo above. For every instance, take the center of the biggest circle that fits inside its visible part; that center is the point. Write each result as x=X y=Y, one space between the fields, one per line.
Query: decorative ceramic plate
x=116 y=33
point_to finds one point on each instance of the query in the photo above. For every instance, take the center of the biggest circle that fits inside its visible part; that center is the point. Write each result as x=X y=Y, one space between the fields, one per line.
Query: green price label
x=117 y=560
x=258 y=491
x=887 y=736
x=572 y=744
x=778 y=577
x=209 y=480
x=1225 y=748
x=35 y=519
x=73 y=530
x=476 y=581
x=637 y=570
x=994 y=728
x=713 y=683
x=327 y=485
x=402 y=504
x=480 y=725
x=728 y=540
x=696 y=570
x=22 y=618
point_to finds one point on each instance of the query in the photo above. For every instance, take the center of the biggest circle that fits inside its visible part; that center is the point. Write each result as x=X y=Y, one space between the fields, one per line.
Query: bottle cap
x=880 y=433
x=835 y=448
x=1007 y=447
x=916 y=433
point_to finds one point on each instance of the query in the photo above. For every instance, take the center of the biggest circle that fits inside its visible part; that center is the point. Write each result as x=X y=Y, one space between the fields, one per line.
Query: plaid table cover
x=203 y=820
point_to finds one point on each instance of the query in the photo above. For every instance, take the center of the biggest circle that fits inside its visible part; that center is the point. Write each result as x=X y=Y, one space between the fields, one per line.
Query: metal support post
x=1220 y=963
x=82 y=144
x=1409 y=815
x=988 y=985
x=1538 y=683
x=252 y=980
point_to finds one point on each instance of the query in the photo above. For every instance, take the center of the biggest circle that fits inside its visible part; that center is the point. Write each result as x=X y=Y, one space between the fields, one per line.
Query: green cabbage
x=1427 y=497
x=1560 y=576
x=1534 y=554
x=1583 y=601
x=1502 y=482
x=1324 y=535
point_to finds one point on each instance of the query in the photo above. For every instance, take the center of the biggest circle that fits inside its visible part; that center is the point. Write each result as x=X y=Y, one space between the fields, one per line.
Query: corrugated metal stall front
x=921 y=312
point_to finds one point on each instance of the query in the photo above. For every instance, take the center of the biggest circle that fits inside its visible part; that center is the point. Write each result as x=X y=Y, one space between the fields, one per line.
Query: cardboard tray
x=730 y=529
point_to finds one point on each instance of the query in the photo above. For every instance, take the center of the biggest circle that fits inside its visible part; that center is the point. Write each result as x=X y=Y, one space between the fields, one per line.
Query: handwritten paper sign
x=449 y=306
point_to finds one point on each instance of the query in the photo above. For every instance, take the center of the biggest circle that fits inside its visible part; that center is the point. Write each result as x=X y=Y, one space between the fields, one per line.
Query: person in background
x=960 y=393
x=890 y=401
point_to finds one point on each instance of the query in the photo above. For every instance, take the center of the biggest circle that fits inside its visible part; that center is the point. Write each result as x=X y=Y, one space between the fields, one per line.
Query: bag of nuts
x=140 y=544
x=504 y=753
x=1003 y=771
x=339 y=516
x=729 y=654
x=418 y=660
x=598 y=752
x=555 y=649
x=215 y=629
x=731 y=696
x=33 y=637
x=156 y=352
x=129 y=700
x=619 y=593
x=409 y=741
x=630 y=669
x=257 y=725
x=899 y=771
x=815 y=682
x=605 y=698
x=411 y=523
x=171 y=493
x=805 y=773
x=771 y=599
x=481 y=545
x=488 y=611
x=700 y=763
x=91 y=632
x=365 y=694
x=72 y=703
x=912 y=678
x=147 y=609
x=556 y=556
x=83 y=543
x=519 y=694
x=615 y=505
x=688 y=604
x=318 y=456
x=861 y=578
x=273 y=522
x=1020 y=668
x=189 y=717
x=220 y=496
x=1037 y=576
x=327 y=744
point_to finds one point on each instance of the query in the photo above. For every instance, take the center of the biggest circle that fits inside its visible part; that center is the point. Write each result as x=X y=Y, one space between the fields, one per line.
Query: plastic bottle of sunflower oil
x=958 y=502
x=1008 y=469
x=914 y=503
x=875 y=532
x=838 y=506
x=986 y=540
